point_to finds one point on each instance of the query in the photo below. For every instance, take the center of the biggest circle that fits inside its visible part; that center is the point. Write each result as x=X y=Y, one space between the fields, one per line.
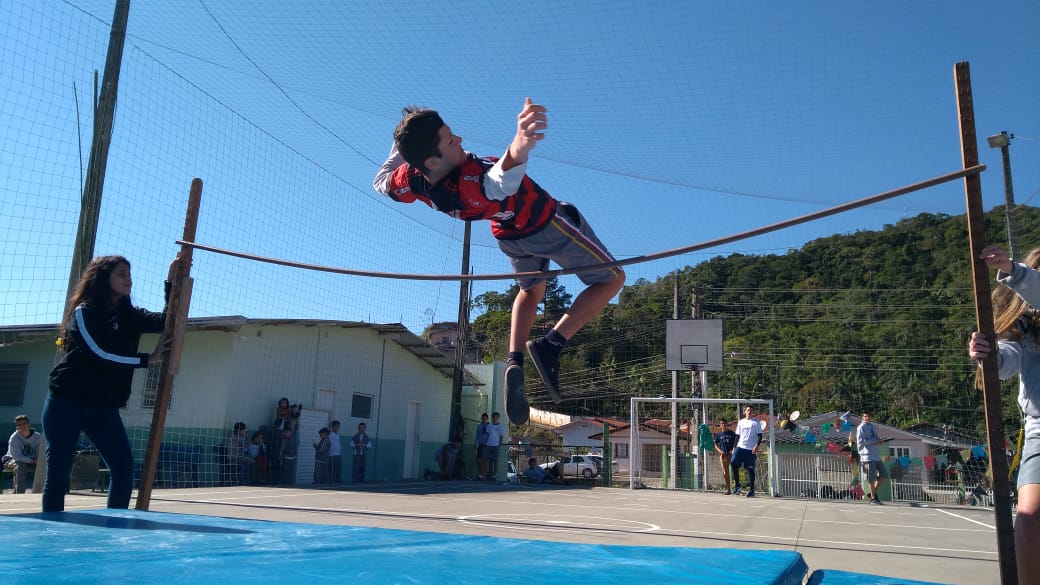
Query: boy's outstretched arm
x=530 y=124
x=381 y=182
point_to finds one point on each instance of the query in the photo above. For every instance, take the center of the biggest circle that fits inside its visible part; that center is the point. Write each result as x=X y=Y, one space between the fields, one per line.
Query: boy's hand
x=530 y=123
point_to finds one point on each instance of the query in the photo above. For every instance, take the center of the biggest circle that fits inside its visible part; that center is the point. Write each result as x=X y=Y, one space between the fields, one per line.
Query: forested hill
x=875 y=319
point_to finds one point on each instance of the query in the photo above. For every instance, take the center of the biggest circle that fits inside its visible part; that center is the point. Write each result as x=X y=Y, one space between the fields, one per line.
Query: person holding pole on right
x=1016 y=323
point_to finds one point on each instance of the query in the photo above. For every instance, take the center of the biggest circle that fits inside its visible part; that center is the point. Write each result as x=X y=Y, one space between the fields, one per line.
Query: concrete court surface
x=945 y=544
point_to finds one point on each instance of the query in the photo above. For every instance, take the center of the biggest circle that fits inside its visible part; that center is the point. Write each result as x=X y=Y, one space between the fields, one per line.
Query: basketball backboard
x=693 y=344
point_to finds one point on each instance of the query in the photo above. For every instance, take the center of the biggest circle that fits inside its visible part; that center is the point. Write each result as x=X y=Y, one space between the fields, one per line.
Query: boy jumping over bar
x=427 y=163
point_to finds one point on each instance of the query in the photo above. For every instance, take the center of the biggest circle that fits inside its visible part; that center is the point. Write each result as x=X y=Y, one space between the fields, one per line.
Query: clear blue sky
x=670 y=124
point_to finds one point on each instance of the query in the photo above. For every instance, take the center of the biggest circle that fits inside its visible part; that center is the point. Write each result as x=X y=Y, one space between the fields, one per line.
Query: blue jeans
x=63 y=420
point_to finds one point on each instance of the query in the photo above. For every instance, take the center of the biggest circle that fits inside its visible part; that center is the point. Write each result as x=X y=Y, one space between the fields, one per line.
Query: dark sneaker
x=726 y=493
x=876 y=502
x=738 y=491
x=548 y=366
x=750 y=494
x=517 y=407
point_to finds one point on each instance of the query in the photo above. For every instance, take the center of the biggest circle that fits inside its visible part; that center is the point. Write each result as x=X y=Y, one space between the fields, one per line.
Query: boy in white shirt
x=749 y=436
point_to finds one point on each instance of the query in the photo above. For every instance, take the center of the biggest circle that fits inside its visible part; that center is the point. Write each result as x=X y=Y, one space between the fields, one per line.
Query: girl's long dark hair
x=93 y=289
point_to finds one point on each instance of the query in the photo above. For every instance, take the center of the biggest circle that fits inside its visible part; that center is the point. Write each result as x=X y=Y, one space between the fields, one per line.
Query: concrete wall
x=227 y=376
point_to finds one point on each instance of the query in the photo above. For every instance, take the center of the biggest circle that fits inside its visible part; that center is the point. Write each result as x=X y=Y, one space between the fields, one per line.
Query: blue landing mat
x=127 y=546
x=832 y=577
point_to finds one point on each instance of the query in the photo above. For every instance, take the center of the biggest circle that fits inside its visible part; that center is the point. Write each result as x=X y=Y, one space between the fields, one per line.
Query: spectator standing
x=287 y=457
x=496 y=434
x=321 y=456
x=285 y=416
x=480 y=440
x=359 y=445
x=99 y=339
x=725 y=442
x=257 y=451
x=24 y=449
x=867 y=441
x=335 y=453
x=749 y=436
x=240 y=465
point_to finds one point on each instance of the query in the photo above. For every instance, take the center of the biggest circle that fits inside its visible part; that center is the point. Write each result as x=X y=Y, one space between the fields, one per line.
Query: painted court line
x=966 y=518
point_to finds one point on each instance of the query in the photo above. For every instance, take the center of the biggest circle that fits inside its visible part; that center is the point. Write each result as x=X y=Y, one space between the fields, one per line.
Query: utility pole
x=674 y=459
x=457 y=422
x=1003 y=142
x=104 y=112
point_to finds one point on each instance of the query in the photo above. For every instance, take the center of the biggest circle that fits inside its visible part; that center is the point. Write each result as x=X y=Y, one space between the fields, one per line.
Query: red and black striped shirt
x=462 y=194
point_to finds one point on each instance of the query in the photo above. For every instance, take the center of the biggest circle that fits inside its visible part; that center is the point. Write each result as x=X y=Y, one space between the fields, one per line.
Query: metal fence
x=829 y=476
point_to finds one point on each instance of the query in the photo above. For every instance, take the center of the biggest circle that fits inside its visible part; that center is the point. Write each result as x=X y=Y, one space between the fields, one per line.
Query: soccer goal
x=682 y=456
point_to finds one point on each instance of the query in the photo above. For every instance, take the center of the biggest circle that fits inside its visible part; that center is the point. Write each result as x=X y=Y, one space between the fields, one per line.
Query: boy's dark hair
x=417 y=136
x=323 y=431
x=20 y=418
x=239 y=426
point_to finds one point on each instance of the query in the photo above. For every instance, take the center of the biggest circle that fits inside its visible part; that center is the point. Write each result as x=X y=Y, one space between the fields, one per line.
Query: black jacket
x=101 y=354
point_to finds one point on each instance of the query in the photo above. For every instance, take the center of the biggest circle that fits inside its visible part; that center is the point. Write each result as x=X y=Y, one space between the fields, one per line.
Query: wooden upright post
x=984 y=324
x=176 y=320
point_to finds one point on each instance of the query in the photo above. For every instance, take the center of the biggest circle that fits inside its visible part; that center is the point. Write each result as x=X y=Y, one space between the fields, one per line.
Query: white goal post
x=649 y=437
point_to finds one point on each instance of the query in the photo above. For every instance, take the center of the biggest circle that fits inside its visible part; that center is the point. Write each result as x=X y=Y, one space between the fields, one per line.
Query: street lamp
x=1002 y=141
x=740 y=375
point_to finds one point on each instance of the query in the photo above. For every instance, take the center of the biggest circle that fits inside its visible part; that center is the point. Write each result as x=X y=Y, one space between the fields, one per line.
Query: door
x=412 y=441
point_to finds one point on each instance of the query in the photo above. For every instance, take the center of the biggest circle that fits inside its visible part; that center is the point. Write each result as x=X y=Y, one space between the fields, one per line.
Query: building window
x=901 y=452
x=151 y=386
x=361 y=406
x=12 y=383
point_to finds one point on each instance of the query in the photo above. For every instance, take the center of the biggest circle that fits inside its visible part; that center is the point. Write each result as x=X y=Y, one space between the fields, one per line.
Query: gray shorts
x=874 y=470
x=568 y=240
x=1029 y=466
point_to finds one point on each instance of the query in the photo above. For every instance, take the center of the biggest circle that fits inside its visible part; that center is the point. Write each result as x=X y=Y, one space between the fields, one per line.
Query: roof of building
x=396 y=332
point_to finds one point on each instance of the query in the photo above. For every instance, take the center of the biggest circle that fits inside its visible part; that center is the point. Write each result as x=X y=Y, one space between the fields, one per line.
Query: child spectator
x=239 y=464
x=287 y=457
x=480 y=441
x=257 y=451
x=335 y=453
x=445 y=457
x=321 y=457
x=360 y=443
x=536 y=474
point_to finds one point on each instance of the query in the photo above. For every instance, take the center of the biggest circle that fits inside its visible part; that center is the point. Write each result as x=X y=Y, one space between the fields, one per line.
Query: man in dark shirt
x=725 y=440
